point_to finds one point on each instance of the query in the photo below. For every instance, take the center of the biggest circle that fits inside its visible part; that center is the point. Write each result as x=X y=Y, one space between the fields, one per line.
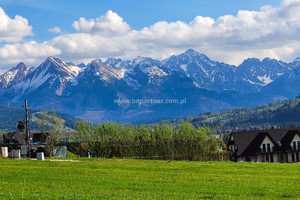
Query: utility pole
x=27 y=138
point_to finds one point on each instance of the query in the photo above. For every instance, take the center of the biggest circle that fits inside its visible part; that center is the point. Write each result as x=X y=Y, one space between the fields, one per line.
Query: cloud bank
x=271 y=32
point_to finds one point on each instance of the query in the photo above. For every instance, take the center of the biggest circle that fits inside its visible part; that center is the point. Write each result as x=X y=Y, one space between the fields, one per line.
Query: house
x=39 y=143
x=272 y=145
x=19 y=138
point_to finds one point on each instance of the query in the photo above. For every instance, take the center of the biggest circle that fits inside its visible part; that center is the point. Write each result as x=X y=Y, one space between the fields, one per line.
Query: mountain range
x=122 y=90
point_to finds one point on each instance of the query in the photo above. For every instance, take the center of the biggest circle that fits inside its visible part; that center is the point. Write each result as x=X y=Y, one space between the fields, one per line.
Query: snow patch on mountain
x=70 y=68
x=196 y=84
x=251 y=82
x=74 y=81
x=10 y=75
x=35 y=82
x=62 y=86
x=154 y=71
x=266 y=79
x=183 y=67
x=106 y=73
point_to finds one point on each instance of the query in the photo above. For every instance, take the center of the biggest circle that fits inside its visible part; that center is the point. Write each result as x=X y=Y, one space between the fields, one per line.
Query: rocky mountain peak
x=14 y=75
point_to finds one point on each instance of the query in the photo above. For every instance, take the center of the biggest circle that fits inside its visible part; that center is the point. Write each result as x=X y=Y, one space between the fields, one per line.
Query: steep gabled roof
x=278 y=134
x=242 y=139
x=254 y=146
x=287 y=139
x=18 y=138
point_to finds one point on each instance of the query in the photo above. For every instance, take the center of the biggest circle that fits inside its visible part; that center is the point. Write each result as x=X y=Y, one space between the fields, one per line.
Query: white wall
x=296 y=139
x=266 y=141
x=290 y=157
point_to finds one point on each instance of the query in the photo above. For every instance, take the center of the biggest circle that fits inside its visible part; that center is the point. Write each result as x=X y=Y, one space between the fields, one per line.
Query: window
x=294 y=146
x=298 y=143
x=268 y=147
x=297 y=157
x=232 y=148
x=264 y=148
x=271 y=158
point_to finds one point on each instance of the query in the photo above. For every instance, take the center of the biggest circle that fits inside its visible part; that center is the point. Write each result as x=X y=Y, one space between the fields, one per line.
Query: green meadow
x=146 y=179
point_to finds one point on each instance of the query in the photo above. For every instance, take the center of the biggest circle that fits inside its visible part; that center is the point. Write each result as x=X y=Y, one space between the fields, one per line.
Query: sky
x=79 y=31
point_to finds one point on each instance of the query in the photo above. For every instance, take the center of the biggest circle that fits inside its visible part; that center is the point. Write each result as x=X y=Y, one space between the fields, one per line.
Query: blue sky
x=79 y=31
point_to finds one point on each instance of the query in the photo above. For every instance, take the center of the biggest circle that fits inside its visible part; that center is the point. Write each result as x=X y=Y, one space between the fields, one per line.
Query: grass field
x=147 y=179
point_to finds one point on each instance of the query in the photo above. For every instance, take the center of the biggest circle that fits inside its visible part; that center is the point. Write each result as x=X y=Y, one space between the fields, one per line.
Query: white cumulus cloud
x=110 y=23
x=13 y=30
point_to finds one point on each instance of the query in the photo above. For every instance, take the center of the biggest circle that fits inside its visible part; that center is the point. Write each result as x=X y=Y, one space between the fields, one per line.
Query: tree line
x=163 y=141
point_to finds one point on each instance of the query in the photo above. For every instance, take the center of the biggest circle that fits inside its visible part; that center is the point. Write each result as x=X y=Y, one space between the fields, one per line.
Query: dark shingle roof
x=243 y=139
x=287 y=139
x=254 y=146
x=18 y=138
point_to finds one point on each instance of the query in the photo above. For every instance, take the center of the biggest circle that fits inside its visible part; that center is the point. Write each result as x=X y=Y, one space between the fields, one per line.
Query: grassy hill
x=9 y=118
x=276 y=114
x=147 y=179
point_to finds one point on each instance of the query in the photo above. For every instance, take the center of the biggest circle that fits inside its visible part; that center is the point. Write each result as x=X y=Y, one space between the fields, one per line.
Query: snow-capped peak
x=54 y=72
x=144 y=61
x=14 y=75
x=61 y=66
x=192 y=54
x=105 y=72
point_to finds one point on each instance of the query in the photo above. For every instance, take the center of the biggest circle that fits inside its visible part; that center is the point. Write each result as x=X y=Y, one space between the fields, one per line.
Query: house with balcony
x=272 y=145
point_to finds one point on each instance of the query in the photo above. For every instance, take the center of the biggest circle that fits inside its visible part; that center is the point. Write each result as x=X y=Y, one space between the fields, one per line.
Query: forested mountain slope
x=276 y=114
